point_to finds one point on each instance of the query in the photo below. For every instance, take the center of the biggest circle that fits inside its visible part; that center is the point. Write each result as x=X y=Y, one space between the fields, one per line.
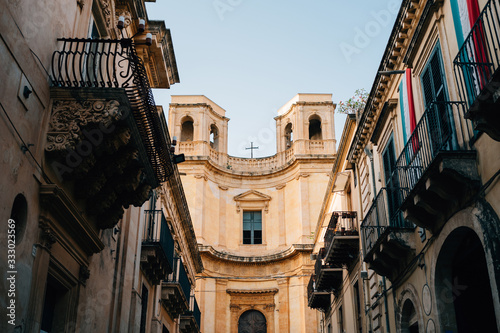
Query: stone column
x=222 y=215
x=221 y=303
x=284 y=321
x=281 y=213
x=304 y=206
x=199 y=209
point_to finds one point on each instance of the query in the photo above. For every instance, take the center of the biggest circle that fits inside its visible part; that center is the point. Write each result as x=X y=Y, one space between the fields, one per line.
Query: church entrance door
x=252 y=321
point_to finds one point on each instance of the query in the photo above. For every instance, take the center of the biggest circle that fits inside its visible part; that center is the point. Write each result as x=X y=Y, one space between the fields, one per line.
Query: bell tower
x=306 y=125
x=199 y=124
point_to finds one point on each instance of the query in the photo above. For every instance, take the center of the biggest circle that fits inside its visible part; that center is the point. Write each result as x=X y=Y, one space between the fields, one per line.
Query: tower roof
x=197 y=99
x=304 y=98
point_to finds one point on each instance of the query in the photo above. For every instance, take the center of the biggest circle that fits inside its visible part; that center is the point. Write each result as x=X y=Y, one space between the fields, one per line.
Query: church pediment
x=252 y=199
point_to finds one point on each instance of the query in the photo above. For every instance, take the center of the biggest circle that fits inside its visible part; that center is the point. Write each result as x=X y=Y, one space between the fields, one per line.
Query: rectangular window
x=252 y=227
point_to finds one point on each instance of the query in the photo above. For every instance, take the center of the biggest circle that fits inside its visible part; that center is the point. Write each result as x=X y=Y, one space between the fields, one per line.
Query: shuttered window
x=433 y=79
x=434 y=88
x=391 y=177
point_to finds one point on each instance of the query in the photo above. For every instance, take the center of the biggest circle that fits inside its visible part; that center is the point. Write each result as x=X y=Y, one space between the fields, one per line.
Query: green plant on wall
x=353 y=104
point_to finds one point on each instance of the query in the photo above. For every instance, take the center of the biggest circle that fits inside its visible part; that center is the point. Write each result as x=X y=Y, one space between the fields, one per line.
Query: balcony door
x=391 y=179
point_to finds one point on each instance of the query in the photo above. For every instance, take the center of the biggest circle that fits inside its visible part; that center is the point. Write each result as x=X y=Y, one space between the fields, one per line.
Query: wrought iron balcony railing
x=384 y=215
x=435 y=132
x=180 y=276
x=317 y=299
x=194 y=310
x=320 y=265
x=342 y=223
x=478 y=59
x=114 y=64
x=156 y=231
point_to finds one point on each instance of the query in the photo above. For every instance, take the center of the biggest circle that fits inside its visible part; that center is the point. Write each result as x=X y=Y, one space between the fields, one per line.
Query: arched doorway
x=463 y=289
x=409 y=319
x=252 y=321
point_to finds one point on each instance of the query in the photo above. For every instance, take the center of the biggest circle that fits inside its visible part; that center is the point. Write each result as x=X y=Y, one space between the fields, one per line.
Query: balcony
x=190 y=320
x=157 y=250
x=476 y=71
x=437 y=168
x=328 y=276
x=342 y=239
x=176 y=290
x=387 y=236
x=317 y=299
x=105 y=136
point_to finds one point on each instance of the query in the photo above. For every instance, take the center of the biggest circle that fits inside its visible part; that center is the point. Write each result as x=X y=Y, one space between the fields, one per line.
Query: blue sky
x=252 y=56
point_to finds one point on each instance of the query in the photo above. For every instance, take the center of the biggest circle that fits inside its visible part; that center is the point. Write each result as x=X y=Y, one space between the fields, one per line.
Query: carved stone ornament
x=47 y=236
x=126 y=14
x=84 y=273
x=252 y=199
x=107 y=9
x=70 y=117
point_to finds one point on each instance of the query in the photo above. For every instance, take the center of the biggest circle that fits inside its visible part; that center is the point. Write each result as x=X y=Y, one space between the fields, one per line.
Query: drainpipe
x=369 y=153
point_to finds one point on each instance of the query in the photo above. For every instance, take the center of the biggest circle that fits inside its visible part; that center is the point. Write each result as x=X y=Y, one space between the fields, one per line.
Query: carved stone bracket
x=69 y=118
x=126 y=14
x=84 y=274
x=47 y=235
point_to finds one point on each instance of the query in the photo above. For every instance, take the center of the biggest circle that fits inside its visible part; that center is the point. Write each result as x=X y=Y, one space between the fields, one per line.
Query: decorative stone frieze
x=70 y=117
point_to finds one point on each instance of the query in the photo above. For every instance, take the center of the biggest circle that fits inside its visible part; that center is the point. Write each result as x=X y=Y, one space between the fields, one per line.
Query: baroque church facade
x=254 y=218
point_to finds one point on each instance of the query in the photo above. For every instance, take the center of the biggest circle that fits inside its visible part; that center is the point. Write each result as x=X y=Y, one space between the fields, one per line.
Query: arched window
x=214 y=137
x=252 y=321
x=315 y=128
x=19 y=214
x=288 y=136
x=409 y=320
x=187 y=129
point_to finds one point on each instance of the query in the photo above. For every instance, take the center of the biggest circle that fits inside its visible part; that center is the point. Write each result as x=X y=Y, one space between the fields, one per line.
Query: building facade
x=254 y=217
x=424 y=165
x=99 y=236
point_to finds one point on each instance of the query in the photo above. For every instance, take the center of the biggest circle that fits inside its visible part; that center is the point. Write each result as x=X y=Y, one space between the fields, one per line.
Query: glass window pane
x=247 y=237
x=257 y=237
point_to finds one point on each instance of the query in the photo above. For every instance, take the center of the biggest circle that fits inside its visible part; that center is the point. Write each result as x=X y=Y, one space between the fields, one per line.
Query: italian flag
x=407 y=106
x=465 y=14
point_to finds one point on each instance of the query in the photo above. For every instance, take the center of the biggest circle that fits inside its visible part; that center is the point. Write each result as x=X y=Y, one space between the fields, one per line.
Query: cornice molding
x=264 y=259
x=204 y=105
x=252 y=291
